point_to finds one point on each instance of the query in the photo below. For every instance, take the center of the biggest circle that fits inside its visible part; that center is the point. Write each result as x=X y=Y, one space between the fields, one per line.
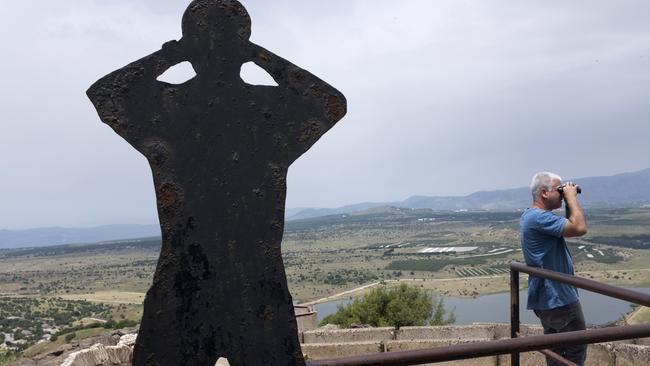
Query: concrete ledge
x=527 y=329
x=348 y=335
x=642 y=341
x=410 y=344
x=482 y=330
x=601 y=354
x=307 y=321
x=502 y=330
x=632 y=355
x=446 y=332
x=314 y=351
x=404 y=345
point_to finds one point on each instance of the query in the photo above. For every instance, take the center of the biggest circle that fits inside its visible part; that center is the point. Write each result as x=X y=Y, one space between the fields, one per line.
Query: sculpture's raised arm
x=111 y=95
x=332 y=102
x=314 y=108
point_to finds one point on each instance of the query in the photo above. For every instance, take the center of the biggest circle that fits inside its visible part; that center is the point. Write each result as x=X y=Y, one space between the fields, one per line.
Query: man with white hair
x=542 y=236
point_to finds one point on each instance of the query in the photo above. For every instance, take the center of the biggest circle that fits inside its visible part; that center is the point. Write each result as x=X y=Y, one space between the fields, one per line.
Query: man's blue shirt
x=543 y=246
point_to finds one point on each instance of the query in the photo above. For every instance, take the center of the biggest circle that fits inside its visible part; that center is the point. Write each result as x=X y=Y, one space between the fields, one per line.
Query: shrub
x=70 y=336
x=397 y=307
x=126 y=323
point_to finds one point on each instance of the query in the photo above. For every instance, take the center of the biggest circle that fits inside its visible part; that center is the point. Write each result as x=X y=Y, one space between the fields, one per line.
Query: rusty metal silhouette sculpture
x=219 y=150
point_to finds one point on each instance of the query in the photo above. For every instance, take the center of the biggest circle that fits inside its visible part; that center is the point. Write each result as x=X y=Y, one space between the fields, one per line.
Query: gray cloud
x=445 y=97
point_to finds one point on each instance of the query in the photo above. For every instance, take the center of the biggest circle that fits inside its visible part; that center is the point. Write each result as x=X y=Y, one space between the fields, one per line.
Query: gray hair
x=542 y=180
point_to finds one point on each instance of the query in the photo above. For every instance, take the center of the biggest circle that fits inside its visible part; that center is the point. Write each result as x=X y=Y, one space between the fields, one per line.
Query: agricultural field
x=482 y=271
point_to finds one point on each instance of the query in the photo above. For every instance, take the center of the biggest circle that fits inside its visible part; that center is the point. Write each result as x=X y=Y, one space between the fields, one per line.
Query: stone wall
x=307 y=321
x=328 y=343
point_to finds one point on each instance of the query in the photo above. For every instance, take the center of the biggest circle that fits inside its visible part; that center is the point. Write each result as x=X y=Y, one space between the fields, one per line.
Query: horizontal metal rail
x=559 y=359
x=587 y=284
x=583 y=283
x=490 y=348
x=547 y=352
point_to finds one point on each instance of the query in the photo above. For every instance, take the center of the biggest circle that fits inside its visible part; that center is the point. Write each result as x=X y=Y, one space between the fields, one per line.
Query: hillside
x=48 y=236
x=620 y=190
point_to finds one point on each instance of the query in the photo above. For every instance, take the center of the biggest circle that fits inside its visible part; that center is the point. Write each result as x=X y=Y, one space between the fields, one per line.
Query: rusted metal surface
x=490 y=348
x=219 y=150
x=583 y=283
x=514 y=313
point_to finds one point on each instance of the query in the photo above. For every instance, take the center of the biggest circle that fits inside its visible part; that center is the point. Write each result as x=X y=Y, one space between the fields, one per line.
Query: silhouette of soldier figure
x=219 y=150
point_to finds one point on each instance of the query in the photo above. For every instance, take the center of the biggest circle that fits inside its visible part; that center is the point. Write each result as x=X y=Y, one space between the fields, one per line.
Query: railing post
x=514 y=312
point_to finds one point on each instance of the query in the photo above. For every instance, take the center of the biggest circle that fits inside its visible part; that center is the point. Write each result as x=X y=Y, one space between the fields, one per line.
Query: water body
x=598 y=309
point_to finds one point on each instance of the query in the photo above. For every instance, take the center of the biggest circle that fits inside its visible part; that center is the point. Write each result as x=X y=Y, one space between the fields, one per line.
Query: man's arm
x=576 y=224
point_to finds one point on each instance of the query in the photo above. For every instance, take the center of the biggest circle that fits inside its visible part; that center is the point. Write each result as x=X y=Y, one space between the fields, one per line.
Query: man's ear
x=544 y=193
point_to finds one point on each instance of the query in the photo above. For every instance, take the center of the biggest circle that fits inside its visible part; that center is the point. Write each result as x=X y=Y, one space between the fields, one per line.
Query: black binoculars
x=561 y=189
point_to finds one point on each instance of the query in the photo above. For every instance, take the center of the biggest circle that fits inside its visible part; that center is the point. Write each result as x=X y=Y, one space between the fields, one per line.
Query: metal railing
x=515 y=345
x=621 y=293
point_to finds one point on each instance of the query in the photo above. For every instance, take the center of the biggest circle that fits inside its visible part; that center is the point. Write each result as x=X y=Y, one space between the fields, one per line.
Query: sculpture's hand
x=171 y=45
x=276 y=66
x=174 y=52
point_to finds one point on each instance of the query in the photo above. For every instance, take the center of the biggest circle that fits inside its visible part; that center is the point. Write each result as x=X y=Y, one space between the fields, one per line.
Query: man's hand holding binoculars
x=569 y=191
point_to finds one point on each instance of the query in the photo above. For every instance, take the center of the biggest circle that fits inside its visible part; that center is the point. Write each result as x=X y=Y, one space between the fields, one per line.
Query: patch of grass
x=8 y=357
x=638 y=241
x=127 y=312
x=47 y=347
x=115 y=297
x=640 y=316
x=432 y=265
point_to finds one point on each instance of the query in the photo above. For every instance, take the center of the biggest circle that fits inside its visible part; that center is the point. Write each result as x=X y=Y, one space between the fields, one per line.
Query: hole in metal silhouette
x=178 y=73
x=219 y=150
x=255 y=75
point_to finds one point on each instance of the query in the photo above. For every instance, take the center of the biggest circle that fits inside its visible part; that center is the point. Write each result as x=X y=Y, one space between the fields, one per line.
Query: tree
x=400 y=306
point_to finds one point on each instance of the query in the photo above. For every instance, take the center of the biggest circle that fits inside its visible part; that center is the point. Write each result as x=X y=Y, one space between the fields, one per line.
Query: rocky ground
x=59 y=356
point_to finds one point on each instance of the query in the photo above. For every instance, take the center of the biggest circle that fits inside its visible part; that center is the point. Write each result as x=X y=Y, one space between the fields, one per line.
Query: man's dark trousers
x=564 y=319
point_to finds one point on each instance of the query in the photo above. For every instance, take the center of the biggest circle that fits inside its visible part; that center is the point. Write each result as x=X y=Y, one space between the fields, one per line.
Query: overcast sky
x=444 y=98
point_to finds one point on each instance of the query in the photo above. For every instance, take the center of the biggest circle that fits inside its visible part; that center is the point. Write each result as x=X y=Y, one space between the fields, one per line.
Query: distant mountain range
x=47 y=236
x=620 y=190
